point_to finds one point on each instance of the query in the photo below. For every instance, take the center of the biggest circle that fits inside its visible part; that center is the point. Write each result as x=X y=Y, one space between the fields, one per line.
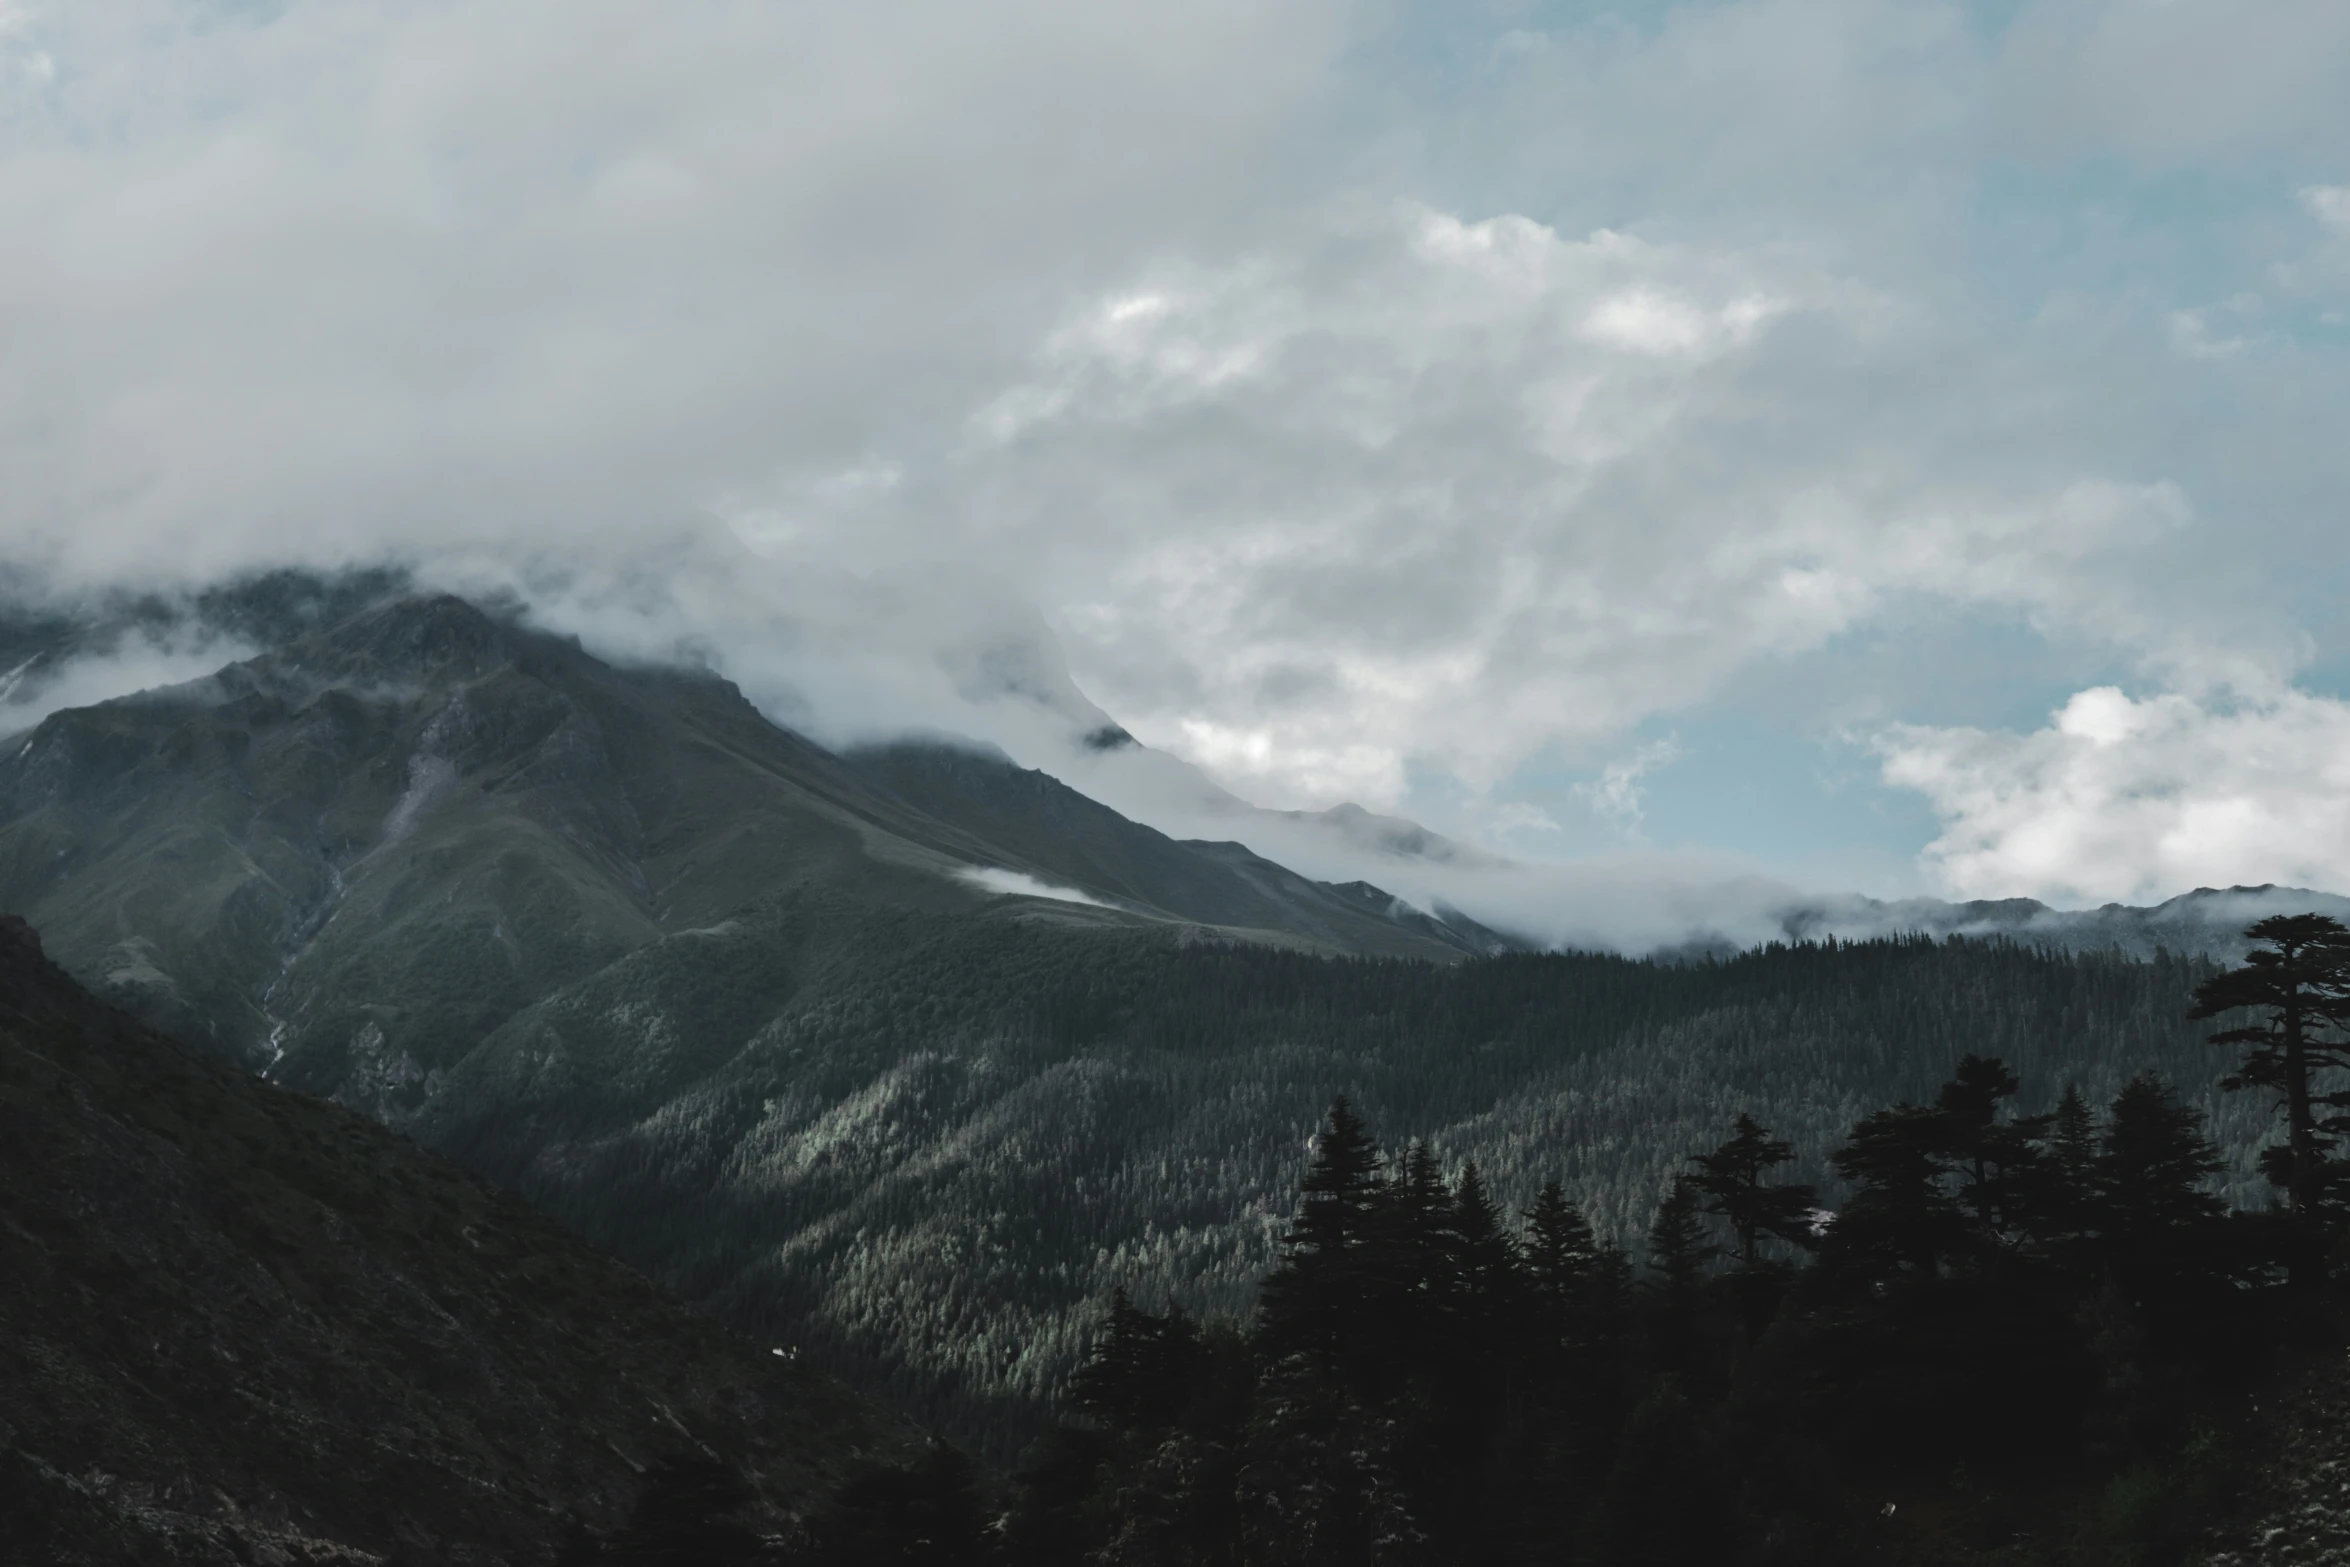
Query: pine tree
x=1898 y=1218
x=2155 y=1214
x=1340 y=1190
x=1560 y=1252
x=1312 y=1301
x=1996 y=1159
x=1138 y=1375
x=2056 y=1199
x=2072 y=1139
x=1485 y=1260
x=1679 y=1255
x=1580 y=1286
x=1678 y=1251
x=1409 y=1295
x=1416 y=1221
x=1730 y=1183
x=2300 y=982
x=1486 y=1272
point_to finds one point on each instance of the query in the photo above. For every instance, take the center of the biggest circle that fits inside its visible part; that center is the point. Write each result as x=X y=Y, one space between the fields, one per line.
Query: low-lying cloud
x=1333 y=422
x=1019 y=884
x=2128 y=798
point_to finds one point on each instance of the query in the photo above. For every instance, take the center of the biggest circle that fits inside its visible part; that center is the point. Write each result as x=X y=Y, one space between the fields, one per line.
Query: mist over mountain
x=350 y=858
x=842 y=665
x=909 y=1052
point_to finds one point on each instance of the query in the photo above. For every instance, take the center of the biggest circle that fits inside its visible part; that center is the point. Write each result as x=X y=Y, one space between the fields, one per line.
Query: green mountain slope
x=348 y=860
x=1074 y=839
x=734 y=1005
x=240 y=1325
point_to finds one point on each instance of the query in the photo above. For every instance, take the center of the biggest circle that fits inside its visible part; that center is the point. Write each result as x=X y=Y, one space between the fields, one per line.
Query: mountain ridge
x=346 y=859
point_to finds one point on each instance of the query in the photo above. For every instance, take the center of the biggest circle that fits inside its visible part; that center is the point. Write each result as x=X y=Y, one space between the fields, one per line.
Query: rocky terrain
x=2296 y=1507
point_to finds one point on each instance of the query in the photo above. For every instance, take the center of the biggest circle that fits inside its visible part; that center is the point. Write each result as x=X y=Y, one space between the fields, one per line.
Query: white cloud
x=2329 y=204
x=2134 y=798
x=135 y=663
x=1416 y=491
x=1616 y=795
x=1711 y=340
x=312 y=280
x=1015 y=884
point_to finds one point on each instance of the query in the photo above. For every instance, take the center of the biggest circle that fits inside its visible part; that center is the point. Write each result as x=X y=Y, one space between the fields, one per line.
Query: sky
x=1876 y=446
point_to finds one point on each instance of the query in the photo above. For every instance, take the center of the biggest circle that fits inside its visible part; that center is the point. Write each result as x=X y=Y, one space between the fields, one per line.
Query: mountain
x=2210 y=921
x=244 y=1326
x=1089 y=845
x=42 y=639
x=908 y=1052
x=348 y=860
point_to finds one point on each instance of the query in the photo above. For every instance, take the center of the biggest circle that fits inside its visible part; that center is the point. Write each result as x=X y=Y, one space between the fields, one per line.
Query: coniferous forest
x=925 y=1150
x=1991 y=1334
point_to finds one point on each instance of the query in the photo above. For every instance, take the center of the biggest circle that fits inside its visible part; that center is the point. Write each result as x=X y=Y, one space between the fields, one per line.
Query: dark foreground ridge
x=240 y=1325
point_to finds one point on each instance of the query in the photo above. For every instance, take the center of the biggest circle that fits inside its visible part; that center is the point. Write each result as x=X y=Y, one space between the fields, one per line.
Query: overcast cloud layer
x=1513 y=416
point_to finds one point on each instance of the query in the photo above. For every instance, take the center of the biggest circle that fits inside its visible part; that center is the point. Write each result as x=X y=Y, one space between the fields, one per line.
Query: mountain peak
x=434 y=636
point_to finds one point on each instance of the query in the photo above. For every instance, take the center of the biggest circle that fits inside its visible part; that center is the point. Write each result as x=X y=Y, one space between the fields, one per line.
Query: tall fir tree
x=1580 y=1286
x=1899 y=1217
x=1484 y=1260
x=2060 y=1196
x=1312 y=1301
x=1997 y=1158
x=2299 y=984
x=2157 y=1215
x=1680 y=1255
x=1729 y=1182
x=1138 y=1375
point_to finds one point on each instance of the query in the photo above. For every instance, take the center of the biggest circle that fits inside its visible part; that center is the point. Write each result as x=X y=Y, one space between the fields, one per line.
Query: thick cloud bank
x=1438 y=408
x=2128 y=799
x=1424 y=491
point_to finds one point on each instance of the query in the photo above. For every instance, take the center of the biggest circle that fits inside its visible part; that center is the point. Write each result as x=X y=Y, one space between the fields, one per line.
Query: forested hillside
x=2025 y=1340
x=345 y=861
x=932 y=1145
x=238 y=1325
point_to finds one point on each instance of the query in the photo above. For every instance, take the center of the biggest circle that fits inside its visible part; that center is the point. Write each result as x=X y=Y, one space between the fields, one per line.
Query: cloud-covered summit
x=1635 y=432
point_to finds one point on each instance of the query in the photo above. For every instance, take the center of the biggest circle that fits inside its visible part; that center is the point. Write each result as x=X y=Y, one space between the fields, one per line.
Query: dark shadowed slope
x=239 y=1325
x=349 y=859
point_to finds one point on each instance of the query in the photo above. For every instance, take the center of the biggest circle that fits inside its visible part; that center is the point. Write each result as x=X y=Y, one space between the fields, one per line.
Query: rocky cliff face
x=239 y=1325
